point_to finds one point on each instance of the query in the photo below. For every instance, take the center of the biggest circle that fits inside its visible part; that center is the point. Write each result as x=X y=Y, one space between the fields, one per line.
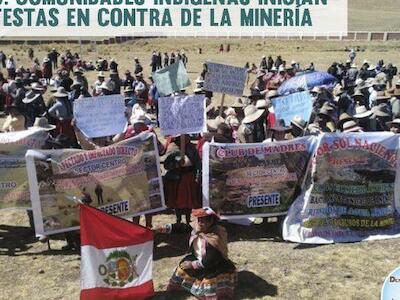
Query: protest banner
x=244 y=180
x=14 y=187
x=297 y=104
x=182 y=114
x=100 y=116
x=225 y=79
x=350 y=192
x=122 y=179
x=171 y=79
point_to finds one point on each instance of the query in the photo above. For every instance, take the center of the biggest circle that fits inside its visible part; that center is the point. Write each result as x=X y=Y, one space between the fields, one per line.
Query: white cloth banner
x=100 y=116
x=182 y=114
x=225 y=79
x=351 y=191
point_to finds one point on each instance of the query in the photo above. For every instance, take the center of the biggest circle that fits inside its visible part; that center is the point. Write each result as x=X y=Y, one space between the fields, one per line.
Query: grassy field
x=321 y=53
x=268 y=267
x=371 y=15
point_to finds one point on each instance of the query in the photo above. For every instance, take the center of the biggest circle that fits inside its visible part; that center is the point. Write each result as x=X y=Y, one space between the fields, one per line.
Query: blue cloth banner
x=297 y=104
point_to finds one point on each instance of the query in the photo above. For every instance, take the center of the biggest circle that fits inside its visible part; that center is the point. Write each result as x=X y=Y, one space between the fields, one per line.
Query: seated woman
x=206 y=272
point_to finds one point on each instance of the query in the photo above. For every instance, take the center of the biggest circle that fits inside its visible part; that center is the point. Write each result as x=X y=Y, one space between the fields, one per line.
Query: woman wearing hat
x=98 y=83
x=11 y=66
x=238 y=105
x=128 y=80
x=182 y=189
x=359 y=98
x=278 y=132
x=65 y=81
x=394 y=126
x=35 y=106
x=61 y=111
x=381 y=115
x=252 y=129
x=8 y=91
x=78 y=91
x=78 y=72
x=113 y=65
x=141 y=92
x=47 y=70
x=206 y=272
x=114 y=78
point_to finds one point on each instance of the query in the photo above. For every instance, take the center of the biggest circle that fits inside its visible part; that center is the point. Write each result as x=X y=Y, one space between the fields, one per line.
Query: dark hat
x=237 y=103
x=280 y=126
x=357 y=93
x=61 y=140
x=381 y=110
x=299 y=122
x=78 y=71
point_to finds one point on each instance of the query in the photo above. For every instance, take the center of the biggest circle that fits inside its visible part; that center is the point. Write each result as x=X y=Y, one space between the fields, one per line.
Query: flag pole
x=183 y=148
x=222 y=105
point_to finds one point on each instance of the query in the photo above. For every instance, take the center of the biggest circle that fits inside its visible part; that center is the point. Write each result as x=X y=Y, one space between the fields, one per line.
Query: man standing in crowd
x=53 y=56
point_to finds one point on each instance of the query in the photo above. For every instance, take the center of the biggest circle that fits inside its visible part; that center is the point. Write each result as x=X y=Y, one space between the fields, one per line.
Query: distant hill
x=374 y=15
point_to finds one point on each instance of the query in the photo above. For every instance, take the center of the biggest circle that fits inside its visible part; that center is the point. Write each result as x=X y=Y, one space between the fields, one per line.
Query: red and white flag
x=116 y=257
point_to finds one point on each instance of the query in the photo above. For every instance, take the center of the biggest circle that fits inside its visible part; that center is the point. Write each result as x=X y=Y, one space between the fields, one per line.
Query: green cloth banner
x=171 y=79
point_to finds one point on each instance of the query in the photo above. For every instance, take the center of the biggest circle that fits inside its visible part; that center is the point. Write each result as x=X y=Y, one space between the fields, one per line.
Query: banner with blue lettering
x=351 y=191
x=123 y=179
x=297 y=104
x=243 y=180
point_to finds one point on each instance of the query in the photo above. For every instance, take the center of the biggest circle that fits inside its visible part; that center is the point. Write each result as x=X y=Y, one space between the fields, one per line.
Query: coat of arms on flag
x=117 y=257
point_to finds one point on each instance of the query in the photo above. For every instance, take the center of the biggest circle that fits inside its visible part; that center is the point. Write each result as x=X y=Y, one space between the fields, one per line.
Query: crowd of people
x=363 y=99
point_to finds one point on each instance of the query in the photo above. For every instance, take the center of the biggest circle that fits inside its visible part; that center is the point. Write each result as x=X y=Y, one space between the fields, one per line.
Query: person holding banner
x=206 y=272
x=182 y=189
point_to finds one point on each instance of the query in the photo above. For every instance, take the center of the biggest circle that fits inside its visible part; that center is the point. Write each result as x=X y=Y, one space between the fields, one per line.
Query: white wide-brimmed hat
x=351 y=126
x=252 y=113
x=30 y=97
x=362 y=112
x=42 y=123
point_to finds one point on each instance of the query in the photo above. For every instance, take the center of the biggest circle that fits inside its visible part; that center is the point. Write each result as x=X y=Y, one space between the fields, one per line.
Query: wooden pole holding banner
x=183 y=148
x=221 y=109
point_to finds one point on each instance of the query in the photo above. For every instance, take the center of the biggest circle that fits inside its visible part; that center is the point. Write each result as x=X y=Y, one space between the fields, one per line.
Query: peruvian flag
x=116 y=257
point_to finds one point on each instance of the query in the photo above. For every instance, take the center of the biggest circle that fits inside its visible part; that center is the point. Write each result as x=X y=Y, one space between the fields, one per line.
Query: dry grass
x=372 y=15
x=322 y=53
x=269 y=267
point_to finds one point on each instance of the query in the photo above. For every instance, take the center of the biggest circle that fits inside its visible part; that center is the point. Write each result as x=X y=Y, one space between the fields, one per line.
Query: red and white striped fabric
x=116 y=257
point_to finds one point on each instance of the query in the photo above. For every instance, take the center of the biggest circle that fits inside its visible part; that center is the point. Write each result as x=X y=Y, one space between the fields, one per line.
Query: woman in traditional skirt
x=182 y=180
x=61 y=111
x=206 y=272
